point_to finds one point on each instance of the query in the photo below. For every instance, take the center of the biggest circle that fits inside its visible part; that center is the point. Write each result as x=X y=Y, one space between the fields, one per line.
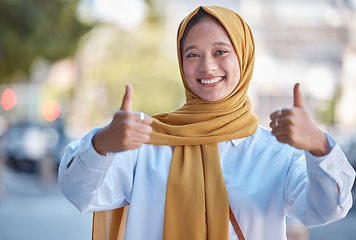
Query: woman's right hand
x=126 y=131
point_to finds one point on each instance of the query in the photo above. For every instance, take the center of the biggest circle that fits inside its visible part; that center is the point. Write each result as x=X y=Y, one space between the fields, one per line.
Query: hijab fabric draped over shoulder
x=197 y=205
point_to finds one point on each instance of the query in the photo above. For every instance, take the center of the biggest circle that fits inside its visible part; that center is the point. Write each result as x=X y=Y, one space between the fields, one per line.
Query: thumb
x=126 y=102
x=298 y=98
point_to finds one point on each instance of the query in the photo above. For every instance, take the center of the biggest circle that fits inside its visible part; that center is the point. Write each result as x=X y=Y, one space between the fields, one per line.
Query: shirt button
x=329 y=166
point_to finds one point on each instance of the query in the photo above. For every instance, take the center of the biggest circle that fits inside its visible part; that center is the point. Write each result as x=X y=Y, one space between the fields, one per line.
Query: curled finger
x=275 y=122
x=280 y=113
x=140 y=137
x=141 y=117
x=143 y=128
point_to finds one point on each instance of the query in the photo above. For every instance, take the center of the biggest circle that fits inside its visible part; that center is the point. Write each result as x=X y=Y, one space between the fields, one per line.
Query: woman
x=185 y=173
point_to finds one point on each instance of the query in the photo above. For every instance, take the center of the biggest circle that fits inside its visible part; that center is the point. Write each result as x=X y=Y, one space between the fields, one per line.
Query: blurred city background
x=64 y=65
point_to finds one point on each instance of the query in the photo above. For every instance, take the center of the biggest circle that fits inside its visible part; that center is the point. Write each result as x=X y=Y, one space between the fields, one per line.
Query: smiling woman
x=203 y=171
x=210 y=64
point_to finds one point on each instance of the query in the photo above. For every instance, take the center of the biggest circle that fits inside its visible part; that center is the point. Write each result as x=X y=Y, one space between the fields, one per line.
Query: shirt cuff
x=314 y=162
x=90 y=157
x=334 y=165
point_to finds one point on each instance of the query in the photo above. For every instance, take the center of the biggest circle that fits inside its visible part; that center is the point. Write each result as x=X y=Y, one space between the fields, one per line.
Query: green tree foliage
x=326 y=111
x=36 y=28
x=154 y=16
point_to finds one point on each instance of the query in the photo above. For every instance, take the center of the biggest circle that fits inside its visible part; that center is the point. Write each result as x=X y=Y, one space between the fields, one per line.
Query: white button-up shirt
x=265 y=180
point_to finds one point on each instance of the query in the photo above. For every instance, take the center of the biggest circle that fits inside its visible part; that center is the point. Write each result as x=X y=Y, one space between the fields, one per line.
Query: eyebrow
x=221 y=43
x=190 y=47
x=215 y=44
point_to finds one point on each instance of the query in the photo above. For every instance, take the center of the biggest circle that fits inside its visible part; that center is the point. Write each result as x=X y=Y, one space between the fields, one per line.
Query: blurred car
x=26 y=144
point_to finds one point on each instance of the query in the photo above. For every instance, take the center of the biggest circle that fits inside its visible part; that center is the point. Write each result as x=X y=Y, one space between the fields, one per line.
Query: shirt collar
x=236 y=142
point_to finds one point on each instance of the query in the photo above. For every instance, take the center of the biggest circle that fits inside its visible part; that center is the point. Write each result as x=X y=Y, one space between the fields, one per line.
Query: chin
x=211 y=99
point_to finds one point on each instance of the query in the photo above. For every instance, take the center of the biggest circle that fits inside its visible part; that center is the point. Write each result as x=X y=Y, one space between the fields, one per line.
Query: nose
x=207 y=65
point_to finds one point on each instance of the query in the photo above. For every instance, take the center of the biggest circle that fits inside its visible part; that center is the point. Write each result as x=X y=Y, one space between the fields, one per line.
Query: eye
x=192 y=55
x=219 y=52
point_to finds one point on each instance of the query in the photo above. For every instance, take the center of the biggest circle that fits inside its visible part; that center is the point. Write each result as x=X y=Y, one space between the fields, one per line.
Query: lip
x=211 y=81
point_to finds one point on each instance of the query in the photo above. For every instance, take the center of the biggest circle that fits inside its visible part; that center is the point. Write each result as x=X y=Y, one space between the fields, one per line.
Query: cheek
x=234 y=68
x=188 y=70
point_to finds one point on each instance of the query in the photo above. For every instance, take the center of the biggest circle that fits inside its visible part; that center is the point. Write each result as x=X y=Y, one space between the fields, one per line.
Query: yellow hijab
x=197 y=205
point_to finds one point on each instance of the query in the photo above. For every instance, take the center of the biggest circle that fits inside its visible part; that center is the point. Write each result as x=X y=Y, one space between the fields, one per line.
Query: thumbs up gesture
x=295 y=127
x=128 y=130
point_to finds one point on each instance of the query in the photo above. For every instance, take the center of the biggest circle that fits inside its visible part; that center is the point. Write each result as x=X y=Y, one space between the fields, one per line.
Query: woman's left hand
x=295 y=127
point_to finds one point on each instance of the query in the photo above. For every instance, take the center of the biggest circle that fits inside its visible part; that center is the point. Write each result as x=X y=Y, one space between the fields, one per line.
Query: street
x=33 y=209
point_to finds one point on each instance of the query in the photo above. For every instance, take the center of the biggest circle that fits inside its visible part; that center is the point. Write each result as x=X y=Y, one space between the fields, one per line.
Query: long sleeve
x=265 y=180
x=87 y=179
x=312 y=195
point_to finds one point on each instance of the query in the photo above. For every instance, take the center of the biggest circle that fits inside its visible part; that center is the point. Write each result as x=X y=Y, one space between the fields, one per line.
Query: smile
x=210 y=81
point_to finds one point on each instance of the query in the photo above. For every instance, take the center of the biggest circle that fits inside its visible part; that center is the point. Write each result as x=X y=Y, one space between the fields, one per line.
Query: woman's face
x=210 y=64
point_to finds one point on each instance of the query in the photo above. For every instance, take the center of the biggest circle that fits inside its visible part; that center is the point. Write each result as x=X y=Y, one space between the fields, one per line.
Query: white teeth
x=209 y=81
